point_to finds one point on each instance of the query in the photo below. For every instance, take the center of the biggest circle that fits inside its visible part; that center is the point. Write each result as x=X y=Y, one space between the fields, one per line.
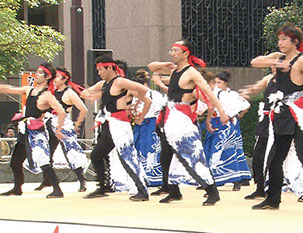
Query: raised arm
x=157 y=78
x=256 y=88
x=202 y=84
x=8 y=89
x=159 y=67
x=161 y=72
x=93 y=93
x=139 y=91
x=266 y=61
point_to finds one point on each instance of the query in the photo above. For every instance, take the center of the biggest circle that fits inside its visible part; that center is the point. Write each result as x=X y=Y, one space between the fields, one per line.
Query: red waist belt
x=184 y=109
x=121 y=115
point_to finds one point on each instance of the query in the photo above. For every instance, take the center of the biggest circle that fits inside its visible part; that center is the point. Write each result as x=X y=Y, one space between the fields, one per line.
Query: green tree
x=18 y=39
x=292 y=12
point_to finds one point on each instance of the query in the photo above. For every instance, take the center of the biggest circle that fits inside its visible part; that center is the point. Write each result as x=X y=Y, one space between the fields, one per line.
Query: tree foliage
x=18 y=39
x=292 y=12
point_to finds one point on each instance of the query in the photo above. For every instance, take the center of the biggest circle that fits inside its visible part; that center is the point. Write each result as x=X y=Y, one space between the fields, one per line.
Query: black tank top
x=59 y=95
x=176 y=93
x=262 y=127
x=284 y=82
x=284 y=123
x=31 y=105
x=109 y=101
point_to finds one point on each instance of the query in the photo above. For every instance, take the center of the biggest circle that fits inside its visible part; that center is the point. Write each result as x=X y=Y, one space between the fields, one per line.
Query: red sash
x=184 y=109
x=121 y=115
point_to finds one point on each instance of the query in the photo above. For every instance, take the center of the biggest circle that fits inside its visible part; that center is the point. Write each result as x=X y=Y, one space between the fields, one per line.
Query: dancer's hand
x=77 y=127
x=282 y=64
x=209 y=127
x=138 y=120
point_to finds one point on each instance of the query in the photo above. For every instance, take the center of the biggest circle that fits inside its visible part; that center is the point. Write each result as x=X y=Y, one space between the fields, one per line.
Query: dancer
x=35 y=138
x=68 y=98
x=146 y=140
x=182 y=135
x=268 y=83
x=287 y=123
x=74 y=155
x=223 y=143
x=292 y=168
x=116 y=129
x=166 y=151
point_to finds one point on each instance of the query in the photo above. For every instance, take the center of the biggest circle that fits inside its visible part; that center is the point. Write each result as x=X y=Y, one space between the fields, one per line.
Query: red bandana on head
x=191 y=58
x=45 y=70
x=118 y=69
x=73 y=85
x=194 y=60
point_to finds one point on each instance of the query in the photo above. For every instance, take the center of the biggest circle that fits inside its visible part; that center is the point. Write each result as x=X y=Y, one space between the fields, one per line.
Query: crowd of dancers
x=150 y=138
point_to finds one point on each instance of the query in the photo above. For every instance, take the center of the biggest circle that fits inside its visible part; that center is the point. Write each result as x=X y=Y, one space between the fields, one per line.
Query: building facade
x=226 y=34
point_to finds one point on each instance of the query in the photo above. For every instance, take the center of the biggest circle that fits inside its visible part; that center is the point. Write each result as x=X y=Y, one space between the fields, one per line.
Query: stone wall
x=141 y=31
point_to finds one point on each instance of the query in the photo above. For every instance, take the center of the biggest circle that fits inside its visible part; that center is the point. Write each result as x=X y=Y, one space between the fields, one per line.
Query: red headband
x=62 y=73
x=76 y=87
x=118 y=69
x=293 y=36
x=45 y=70
x=183 y=47
x=191 y=58
x=289 y=34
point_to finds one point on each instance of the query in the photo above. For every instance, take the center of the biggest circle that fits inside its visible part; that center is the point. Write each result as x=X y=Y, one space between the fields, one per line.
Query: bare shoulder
x=194 y=74
x=70 y=91
x=71 y=94
x=123 y=83
x=120 y=80
x=47 y=95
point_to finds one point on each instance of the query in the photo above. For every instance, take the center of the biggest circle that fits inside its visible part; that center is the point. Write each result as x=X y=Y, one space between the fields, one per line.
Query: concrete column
x=141 y=31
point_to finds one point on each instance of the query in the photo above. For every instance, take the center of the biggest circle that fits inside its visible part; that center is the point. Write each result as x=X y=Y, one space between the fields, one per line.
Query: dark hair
x=224 y=76
x=289 y=29
x=51 y=69
x=65 y=71
x=141 y=76
x=207 y=75
x=10 y=127
x=189 y=45
x=105 y=59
